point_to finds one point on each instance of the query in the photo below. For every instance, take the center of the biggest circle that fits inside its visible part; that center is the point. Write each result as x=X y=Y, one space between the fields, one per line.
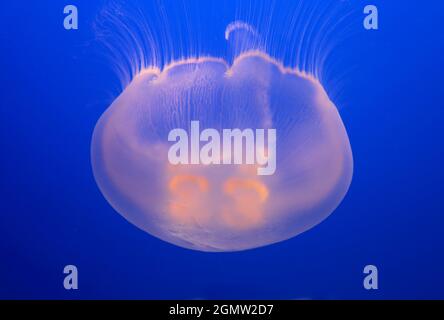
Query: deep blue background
x=53 y=90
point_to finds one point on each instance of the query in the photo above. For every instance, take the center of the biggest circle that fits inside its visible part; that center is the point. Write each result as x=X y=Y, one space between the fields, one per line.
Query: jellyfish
x=213 y=207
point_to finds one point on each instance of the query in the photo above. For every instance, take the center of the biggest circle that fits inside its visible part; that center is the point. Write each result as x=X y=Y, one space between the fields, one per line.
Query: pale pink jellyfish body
x=223 y=207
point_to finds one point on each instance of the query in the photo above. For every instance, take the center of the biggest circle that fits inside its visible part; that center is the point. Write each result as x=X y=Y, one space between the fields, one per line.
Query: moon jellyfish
x=220 y=208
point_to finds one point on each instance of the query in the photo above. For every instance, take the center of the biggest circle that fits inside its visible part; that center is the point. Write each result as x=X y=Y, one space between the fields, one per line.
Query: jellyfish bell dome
x=223 y=204
x=220 y=208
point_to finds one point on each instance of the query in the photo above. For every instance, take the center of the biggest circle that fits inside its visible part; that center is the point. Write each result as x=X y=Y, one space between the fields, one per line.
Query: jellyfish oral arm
x=234 y=146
